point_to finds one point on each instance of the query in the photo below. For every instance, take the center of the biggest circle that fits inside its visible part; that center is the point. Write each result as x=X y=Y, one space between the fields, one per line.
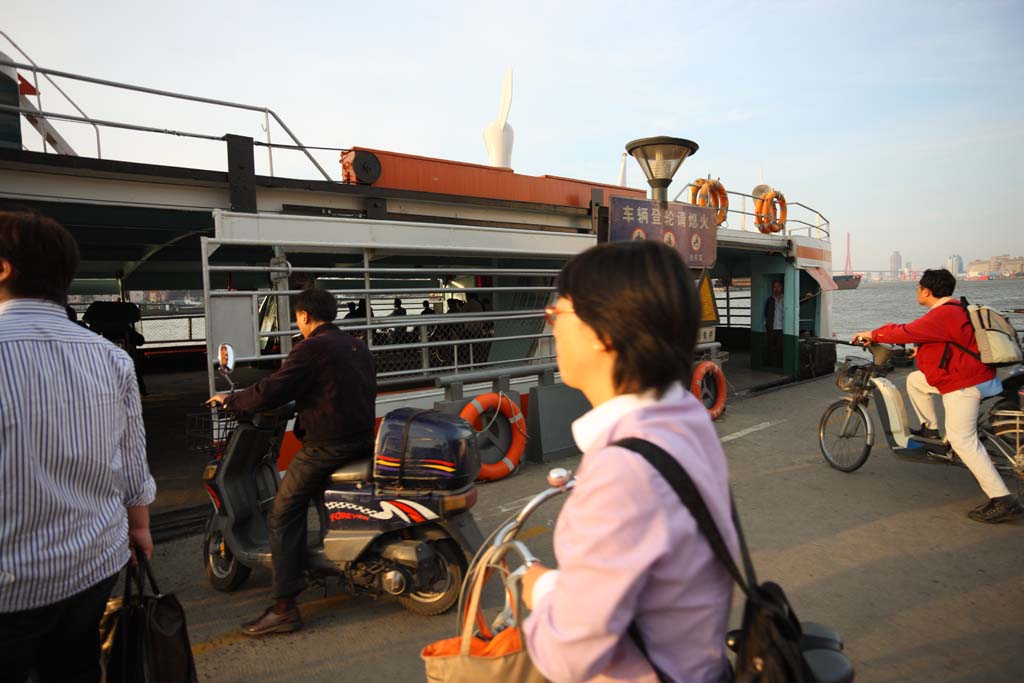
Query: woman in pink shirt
x=625 y=327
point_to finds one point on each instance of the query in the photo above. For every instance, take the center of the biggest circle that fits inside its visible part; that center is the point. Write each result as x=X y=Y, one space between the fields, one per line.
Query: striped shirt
x=72 y=455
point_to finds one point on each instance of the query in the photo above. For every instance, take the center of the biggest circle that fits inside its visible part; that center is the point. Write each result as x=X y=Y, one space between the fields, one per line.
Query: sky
x=899 y=122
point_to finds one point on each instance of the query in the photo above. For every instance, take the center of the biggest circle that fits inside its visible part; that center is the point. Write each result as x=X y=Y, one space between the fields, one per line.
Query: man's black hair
x=42 y=253
x=639 y=298
x=318 y=303
x=940 y=281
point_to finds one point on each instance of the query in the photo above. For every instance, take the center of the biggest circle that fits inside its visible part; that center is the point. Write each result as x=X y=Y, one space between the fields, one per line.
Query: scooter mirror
x=226 y=358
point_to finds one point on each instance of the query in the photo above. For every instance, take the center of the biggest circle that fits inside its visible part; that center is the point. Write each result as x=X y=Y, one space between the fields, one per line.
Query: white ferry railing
x=267 y=112
x=39 y=97
x=820 y=228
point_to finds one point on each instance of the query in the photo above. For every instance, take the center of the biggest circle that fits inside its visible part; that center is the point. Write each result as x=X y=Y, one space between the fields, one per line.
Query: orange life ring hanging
x=703 y=369
x=707 y=192
x=770 y=212
x=503 y=404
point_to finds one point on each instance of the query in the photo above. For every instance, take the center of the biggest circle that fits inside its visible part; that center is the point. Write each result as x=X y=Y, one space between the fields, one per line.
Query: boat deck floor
x=173 y=396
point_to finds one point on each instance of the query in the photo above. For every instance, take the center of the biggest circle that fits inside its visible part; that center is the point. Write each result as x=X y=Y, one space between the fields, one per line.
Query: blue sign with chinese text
x=689 y=229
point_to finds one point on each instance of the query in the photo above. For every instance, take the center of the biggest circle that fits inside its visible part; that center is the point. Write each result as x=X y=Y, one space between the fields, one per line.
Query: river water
x=876 y=303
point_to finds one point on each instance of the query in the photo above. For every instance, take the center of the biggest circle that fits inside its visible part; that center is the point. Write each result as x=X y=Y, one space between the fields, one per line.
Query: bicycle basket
x=852 y=374
x=208 y=432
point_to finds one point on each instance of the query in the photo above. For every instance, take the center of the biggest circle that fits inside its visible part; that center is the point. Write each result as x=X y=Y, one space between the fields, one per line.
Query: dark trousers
x=61 y=642
x=775 y=348
x=306 y=479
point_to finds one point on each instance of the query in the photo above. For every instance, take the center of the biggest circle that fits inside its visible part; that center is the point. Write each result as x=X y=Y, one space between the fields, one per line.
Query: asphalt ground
x=886 y=555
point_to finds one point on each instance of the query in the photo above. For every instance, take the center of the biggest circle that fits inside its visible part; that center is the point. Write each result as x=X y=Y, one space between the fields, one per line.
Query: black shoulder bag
x=768 y=647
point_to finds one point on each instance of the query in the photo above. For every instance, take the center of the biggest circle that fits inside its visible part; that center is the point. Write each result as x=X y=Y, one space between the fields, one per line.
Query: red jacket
x=932 y=332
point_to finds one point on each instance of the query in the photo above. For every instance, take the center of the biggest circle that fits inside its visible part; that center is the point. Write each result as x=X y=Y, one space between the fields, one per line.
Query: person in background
x=628 y=550
x=76 y=490
x=331 y=378
x=773 y=310
x=427 y=308
x=398 y=309
x=946 y=370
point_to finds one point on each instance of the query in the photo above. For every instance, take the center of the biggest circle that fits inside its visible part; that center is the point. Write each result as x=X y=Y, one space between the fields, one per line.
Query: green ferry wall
x=762 y=269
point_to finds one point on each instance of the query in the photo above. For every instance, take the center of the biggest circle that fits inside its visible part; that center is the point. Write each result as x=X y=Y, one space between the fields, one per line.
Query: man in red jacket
x=960 y=378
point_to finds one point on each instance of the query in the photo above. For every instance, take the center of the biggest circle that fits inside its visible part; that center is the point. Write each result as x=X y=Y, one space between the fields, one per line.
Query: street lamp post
x=659 y=158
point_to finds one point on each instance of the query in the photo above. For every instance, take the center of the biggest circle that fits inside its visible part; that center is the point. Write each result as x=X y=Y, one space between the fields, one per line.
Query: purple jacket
x=628 y=549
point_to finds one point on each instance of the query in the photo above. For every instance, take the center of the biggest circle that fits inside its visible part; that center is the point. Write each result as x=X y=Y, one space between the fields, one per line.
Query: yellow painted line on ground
x=532 y=532
x=310 y=610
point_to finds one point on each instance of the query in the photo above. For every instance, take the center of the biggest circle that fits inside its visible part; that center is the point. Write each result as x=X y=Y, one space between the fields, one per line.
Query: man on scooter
x=960 y=378
x=331 y=377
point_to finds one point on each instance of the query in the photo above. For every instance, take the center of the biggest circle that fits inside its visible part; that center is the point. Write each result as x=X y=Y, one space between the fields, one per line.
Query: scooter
x=398 y=523
x=846 y=434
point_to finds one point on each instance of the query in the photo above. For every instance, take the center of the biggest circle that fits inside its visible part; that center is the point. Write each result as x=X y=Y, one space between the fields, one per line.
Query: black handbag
x=144 y=635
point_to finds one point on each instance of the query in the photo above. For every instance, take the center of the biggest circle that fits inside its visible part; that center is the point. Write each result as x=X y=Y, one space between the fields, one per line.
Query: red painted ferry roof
x=443 y=176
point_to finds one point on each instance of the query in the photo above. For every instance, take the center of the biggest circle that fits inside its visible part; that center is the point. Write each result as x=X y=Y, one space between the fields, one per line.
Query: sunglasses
x=551 y=313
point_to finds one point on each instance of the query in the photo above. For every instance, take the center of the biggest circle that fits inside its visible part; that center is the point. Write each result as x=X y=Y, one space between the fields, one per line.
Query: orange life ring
x=503 y=404
x=770 y=213
x=707 y=192
x=699 y=374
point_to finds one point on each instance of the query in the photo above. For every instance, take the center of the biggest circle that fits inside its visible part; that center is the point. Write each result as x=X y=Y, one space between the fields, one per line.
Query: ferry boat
x=479 y=246
x=847 y=281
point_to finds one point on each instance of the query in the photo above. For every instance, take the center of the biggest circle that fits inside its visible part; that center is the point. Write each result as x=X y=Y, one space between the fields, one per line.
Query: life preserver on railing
x=770 y=212
x=707 y=192
x=703 y=369
x=507 y=407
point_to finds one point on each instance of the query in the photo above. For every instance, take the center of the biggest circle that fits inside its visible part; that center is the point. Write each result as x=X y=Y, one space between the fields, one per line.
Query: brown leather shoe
x=272 y=622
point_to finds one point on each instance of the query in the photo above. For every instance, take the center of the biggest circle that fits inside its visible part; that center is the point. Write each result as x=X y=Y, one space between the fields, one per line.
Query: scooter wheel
x=445 y=593
x=843 y=436
x=223 y=569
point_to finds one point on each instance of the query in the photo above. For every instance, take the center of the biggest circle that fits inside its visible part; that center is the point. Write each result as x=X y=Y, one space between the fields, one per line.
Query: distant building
x=955 y=264
x=895 y=265
x=1004 y=264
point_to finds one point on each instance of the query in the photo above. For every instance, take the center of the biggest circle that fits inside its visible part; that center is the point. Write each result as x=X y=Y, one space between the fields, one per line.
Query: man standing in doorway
x=947 y=368
x=330 y=376
x=76 y=486
x=773 y=324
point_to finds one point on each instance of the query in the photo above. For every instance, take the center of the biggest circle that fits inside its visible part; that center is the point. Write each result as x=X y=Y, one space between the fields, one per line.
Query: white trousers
x=962 y=407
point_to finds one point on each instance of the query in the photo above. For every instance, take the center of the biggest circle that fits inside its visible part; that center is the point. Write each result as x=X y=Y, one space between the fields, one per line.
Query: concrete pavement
x=886 y=555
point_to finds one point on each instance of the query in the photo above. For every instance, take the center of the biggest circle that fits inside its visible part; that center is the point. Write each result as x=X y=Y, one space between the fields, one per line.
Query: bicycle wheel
x=843 y=436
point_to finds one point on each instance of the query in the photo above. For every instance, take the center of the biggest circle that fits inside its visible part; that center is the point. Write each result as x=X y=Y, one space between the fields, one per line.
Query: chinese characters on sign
x=687 y=228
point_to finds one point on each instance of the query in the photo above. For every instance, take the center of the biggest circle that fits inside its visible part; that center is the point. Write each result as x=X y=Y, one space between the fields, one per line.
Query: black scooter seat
x=355 y=471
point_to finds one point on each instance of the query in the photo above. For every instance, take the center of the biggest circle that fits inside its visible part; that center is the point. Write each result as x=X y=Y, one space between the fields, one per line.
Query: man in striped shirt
x=74 y=483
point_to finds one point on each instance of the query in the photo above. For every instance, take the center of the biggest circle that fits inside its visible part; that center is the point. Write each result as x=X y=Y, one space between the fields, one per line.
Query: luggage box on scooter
x=425 y=449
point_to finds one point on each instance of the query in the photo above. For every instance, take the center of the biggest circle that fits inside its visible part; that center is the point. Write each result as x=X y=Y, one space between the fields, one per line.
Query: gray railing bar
x=355 y=247
x=356 y=270
x=428 y=372
x=485 y=375
x=180 y=96
x=108 y=124
x=39 y=100
x=388 y=322
x=455 y=342
x=350 y=293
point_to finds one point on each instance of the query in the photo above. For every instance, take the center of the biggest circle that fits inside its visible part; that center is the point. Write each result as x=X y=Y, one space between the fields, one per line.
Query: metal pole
x=366 y=298
x=284 y=309
x=270 y=148
x=210 y=377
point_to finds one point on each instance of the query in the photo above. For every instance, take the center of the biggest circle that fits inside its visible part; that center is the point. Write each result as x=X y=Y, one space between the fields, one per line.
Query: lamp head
x=659 y=158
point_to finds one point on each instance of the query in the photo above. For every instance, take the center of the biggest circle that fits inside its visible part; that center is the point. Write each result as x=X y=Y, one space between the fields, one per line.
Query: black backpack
x=768 y=644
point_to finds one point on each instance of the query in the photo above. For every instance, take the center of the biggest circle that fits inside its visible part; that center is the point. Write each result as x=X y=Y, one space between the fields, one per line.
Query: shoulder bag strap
x=680 y=481
x=687 y=491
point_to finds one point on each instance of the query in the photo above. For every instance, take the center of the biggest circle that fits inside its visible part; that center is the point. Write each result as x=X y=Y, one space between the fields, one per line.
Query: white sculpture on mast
x=622 y=171
x=498 y=135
